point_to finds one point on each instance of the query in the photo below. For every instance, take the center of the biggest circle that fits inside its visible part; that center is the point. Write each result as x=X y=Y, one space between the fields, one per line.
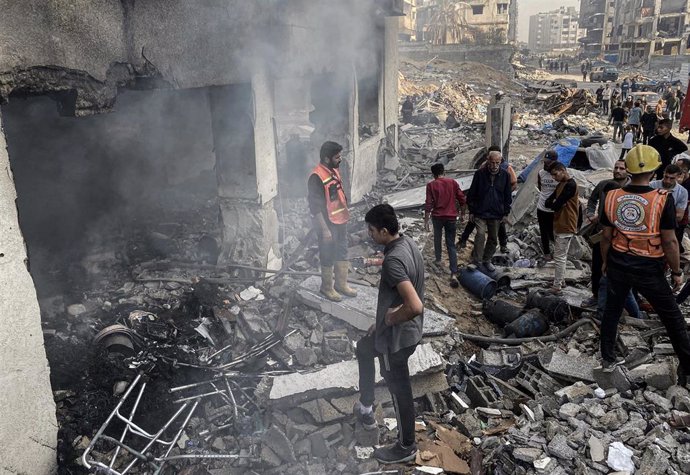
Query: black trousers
x=597 y=262
x=545 y=220
x=680 y=232
x=646 y=135
x=446 y=226
x=396 y=373
x=653 y=287
x=336 y=248
x=502 y=233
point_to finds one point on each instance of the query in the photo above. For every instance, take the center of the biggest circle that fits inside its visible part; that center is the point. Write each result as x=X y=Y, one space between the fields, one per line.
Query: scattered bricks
x=488 y=412
x=279 y=444
x=536 y=381
x=654 y=461
x=526 y=454
x=575 y=393
x=568 y=410
x=659 y=401
x=458 y=403
x=597 y=451
x=616 y=379
x=480 y=393
x=559 y=447
x=659 y=375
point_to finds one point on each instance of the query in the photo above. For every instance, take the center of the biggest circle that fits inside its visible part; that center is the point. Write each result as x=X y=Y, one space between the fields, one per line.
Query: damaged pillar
x=28 y=431
x=499 y=121
x=244 y=143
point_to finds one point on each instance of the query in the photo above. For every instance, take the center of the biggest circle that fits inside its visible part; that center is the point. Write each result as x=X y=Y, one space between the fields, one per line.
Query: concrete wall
x=496 y=56
x=658 y=61
x=28 y=435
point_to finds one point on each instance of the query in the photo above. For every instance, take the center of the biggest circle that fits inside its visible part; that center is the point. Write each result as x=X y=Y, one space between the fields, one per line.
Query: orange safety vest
x=636 y=220
x=336 y=203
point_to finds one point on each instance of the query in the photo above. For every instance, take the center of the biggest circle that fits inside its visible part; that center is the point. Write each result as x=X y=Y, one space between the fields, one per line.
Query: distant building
x=407 y=29
x=596 y=17
x=471 y=22
x=558 y=29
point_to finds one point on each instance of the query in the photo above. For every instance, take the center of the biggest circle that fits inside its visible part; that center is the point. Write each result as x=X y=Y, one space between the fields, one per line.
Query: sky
x=526 y=8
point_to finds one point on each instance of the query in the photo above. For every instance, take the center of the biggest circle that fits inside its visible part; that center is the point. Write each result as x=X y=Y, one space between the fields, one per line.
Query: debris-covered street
x=230 y=248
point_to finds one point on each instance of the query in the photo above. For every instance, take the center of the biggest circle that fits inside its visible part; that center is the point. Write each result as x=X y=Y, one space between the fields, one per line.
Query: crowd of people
x=637 y=226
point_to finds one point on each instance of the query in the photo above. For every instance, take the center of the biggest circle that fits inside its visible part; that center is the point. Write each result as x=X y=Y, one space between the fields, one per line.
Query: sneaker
x=589 y=303
x=489 y=266
x=454 y=282
x=367 y=420
x=609 y=366
x=396 y=453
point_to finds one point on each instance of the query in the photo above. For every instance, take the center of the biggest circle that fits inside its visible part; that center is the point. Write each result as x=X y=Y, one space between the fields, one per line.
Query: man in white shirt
x=606 y=98
x=672 y=174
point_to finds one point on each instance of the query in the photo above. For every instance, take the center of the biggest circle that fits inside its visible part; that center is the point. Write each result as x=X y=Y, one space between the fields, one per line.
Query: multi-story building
x=407 y=30
x=596 y=17
x=646 y=28
x=471 y=21
x=556 y=29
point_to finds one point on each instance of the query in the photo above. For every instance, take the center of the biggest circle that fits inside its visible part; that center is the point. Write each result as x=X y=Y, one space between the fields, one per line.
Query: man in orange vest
x=638 y=241
x=328 y=206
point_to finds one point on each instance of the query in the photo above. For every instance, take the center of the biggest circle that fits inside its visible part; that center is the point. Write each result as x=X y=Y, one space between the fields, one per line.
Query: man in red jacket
x=442 y=194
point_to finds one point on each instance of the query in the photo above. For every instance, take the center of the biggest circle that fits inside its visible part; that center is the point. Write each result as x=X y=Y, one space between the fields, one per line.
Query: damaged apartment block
x=162 y=136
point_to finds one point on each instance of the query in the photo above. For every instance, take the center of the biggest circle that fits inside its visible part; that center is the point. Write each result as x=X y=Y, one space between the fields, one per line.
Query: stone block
x=597 y=450
x=279 y=444
x=573 y=368
x=527 y=454
x=654 y=461
x=323 y=411
x=659 y=401
x=659 y=375
x=366 y=437
x=575 y=393
x=616 y=379
x=306 y=356
x=559 y=447
x=568 y=410
x=469 y=425
x=679 y=397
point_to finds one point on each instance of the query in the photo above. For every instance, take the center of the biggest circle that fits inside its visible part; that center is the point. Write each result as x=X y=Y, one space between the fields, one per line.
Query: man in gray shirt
x=394 y=337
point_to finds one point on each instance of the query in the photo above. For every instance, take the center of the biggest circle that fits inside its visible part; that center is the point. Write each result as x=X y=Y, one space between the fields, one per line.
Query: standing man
x=566 y=219
x=618 y=116
x=620 y=179
x=672 y=184
x=330 y=214
x=606 y=99
x=648 y=122
x=625 y=88
x=583 y=70
x=666 y=144
x=442 y=194
x=489 y=200
x=672 y=106
x=638 y=242
x=407 y=109
x=546 y=185
x=634 y=117
x=600 y=95
x=394 y=337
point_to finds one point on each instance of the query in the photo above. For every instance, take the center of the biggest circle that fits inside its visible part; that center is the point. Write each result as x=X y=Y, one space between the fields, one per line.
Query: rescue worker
x=330 y=214
x=638 y=242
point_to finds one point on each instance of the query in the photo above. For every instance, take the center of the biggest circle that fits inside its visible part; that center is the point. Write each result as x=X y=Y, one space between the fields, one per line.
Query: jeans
x=560 y=257
x=630 y=303
x=617 y=129
x=653 y=287
x=502 y=233
x=605 y=102
x=336 y=248
x=485 y=247
x=396 y=373
x=447 y=225
x=545 y=220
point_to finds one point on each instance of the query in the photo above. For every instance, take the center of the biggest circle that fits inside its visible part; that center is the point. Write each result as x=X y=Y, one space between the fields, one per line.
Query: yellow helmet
x=642 y=159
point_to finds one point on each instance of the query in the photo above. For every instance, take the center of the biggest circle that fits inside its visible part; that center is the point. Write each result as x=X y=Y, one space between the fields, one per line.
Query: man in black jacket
x=666 y=144
x=648 y=122
x=489 y=200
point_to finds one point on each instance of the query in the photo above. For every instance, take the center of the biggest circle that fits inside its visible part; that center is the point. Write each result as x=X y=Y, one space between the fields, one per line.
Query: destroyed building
x=596 y=16
x=122 y=117
x=555 y=29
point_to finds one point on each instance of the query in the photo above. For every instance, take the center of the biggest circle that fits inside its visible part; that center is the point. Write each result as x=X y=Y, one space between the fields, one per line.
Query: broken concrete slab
x=360 y=311
x=659 y=375
x=573 y=368
x=344 y=376
x=616 y=379
x=544 y=274
x=415 y=197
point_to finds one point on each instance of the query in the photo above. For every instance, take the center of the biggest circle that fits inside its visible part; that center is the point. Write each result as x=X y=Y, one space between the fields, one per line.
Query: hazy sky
x=526 y=8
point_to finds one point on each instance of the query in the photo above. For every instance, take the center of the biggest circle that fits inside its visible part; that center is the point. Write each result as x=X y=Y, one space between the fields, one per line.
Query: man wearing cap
x=638 y=241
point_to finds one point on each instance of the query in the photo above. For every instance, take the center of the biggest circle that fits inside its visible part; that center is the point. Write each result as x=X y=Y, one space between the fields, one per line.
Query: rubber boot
x=327 y=284
x=341 y=270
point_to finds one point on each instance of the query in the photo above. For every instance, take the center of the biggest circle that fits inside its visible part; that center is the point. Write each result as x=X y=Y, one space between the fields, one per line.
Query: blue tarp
x=565 y=155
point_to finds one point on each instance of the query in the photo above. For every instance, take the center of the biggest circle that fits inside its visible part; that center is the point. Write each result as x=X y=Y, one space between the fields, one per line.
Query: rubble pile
x=571 y=101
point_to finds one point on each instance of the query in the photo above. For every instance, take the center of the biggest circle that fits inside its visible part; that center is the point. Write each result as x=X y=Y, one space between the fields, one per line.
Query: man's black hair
x=493 y=148
x=672 y=169
x=383 y=216
x=557 y=166
x=683 y=162
x=667 y=122
x=437 y=169
x=551 y=155
x=329 y=150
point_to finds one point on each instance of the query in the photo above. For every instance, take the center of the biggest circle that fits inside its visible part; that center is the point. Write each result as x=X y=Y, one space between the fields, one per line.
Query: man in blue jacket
x=488 y=200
